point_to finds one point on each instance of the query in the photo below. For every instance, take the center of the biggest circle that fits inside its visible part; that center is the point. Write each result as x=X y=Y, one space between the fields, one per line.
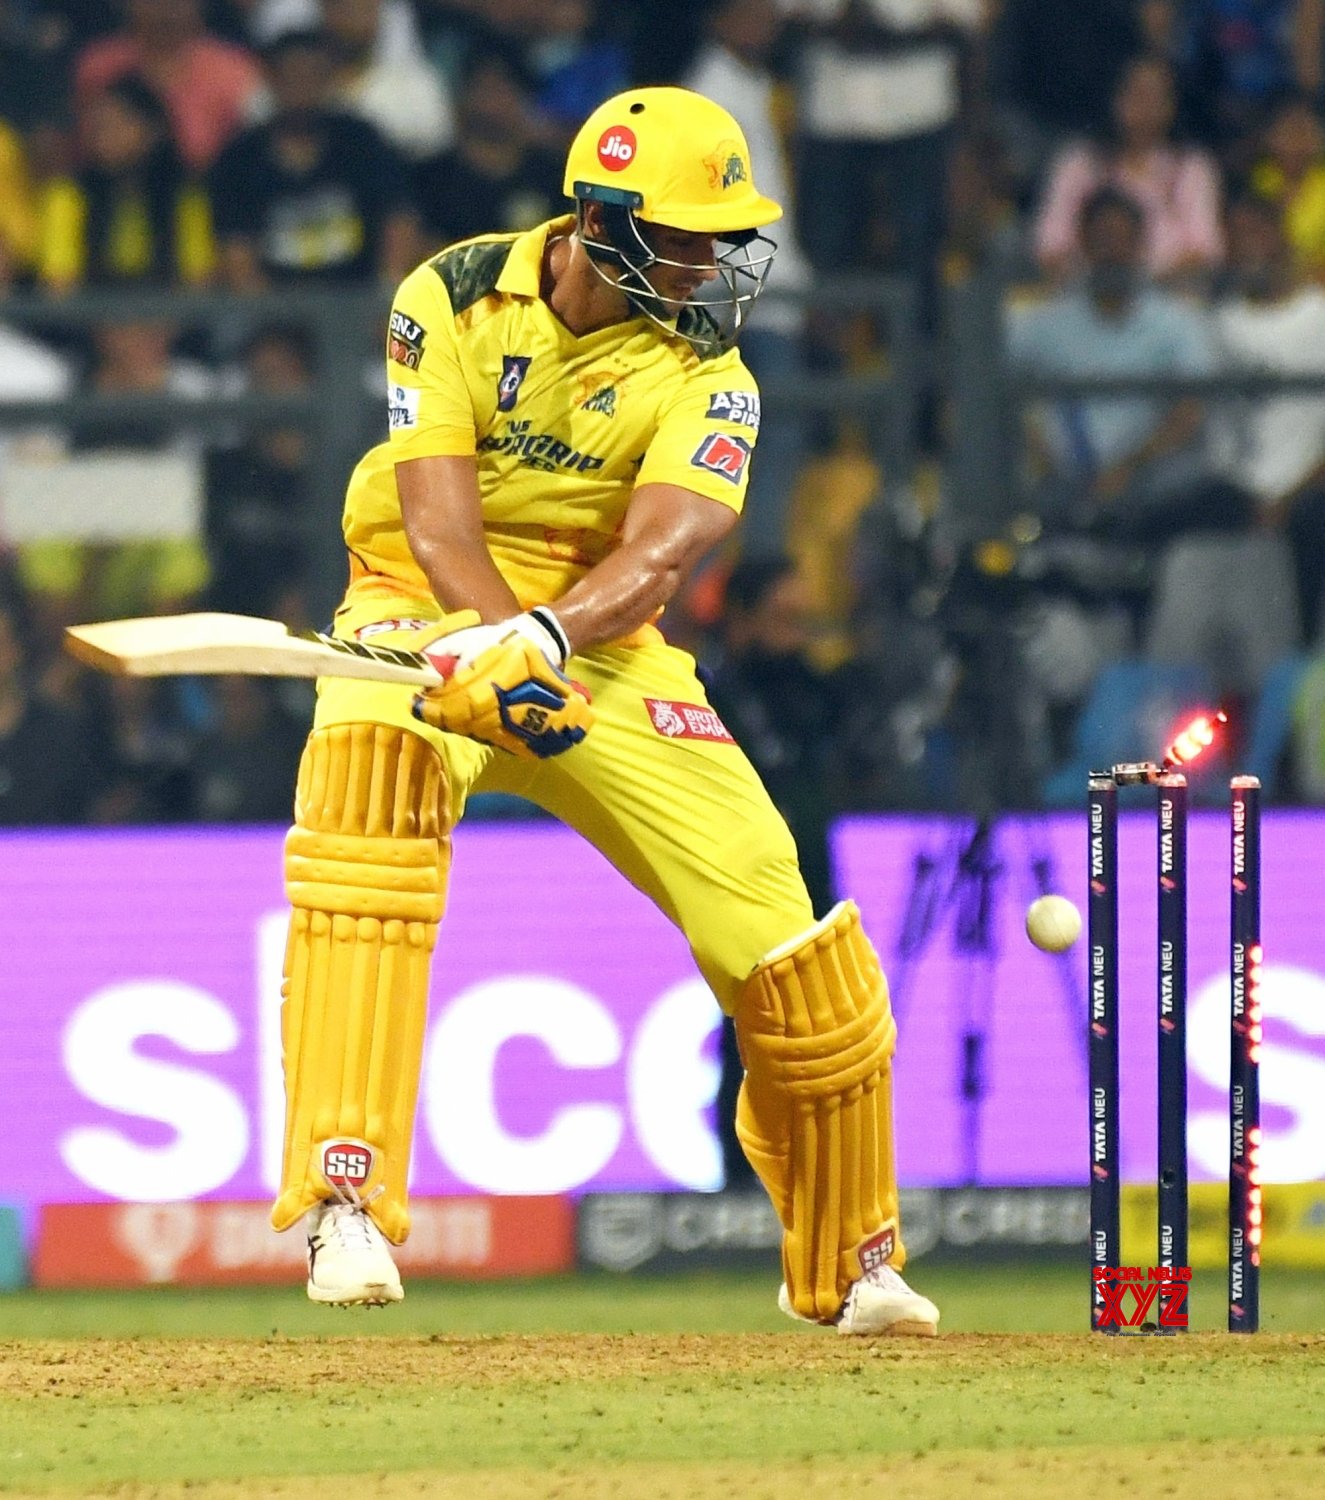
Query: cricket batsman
x=570 y=431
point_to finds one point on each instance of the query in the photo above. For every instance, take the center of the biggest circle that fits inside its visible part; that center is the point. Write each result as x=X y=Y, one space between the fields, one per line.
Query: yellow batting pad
x=815 y=1114
x=365 y=869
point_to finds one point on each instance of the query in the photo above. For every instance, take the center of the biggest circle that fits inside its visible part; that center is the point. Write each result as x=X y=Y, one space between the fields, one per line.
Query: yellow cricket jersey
x=564 y=428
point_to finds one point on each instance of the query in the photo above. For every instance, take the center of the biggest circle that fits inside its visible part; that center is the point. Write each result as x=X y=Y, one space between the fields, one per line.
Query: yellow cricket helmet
x=681 y=159
x=671 y=157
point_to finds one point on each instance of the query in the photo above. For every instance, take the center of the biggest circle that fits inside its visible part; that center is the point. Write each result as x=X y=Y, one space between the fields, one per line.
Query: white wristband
x=552 y=625
x=543 y=628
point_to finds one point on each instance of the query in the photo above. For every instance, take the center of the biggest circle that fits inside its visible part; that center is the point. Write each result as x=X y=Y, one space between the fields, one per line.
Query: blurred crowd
x=1142 y=181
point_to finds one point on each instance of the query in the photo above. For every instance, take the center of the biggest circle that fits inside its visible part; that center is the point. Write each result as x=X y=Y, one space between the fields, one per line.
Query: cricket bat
x=167 y=645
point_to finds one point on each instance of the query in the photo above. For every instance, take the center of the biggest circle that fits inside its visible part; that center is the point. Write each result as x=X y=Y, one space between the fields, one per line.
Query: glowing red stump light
x=1194 y=739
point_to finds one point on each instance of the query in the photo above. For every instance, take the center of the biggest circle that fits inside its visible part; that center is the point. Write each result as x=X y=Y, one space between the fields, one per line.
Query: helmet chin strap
x=623 y=259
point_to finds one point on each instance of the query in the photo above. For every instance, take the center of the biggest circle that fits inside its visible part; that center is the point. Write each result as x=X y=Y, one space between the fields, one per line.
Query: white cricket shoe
x=349 y=1264
x=879 y=1303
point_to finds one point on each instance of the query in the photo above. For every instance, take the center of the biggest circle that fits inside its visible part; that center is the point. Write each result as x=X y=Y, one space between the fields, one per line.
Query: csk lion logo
x=726 y=167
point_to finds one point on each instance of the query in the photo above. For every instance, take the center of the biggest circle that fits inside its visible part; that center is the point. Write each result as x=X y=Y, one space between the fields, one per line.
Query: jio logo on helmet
x=616 y=147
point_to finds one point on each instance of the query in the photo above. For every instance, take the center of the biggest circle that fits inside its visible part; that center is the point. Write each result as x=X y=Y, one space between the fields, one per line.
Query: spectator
x=456 y=33
x=33 y=86
x=984 y=225
x=402 y=96
x=62 y=29
x=145 y=758
x=1275 y=322
x=494 y=177
x=1131 y=464
x=244 y=768
x=1309 y=46
x=313 y=194
x=398 y=37
x=258 y=492
x=1165 y=33
x=132 y=214
x=578 y=63
x=18 y=209
x=1236 y=56
x=733 y=67
x=1176 y=187
x=208 y=85
x=48 y=771
x=1291 y=175
x=1049 y=81
x=880 y=94
x=137 y=358
x=76 y=577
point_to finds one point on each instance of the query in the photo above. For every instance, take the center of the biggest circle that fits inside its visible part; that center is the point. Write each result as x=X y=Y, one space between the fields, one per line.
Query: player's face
x=692 y=256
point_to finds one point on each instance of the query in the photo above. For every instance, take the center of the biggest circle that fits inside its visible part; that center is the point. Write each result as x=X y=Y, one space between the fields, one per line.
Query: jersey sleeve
x=429 y=410
x=706 y=433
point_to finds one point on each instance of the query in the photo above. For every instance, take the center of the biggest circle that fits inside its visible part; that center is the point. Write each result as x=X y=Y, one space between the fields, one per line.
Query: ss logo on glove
x=509 y=696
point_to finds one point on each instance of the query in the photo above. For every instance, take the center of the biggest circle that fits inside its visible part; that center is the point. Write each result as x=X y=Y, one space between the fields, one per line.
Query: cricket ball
x=1053 y=924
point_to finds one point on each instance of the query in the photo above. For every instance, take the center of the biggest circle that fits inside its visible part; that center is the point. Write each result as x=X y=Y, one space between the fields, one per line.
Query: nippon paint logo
x=616 y=148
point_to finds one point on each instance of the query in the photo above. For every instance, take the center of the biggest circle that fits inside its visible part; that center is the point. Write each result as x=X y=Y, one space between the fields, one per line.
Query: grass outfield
x=691 y=1387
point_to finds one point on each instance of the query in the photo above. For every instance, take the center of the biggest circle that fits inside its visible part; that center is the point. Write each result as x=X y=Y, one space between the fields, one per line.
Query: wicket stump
x=1245 y=1204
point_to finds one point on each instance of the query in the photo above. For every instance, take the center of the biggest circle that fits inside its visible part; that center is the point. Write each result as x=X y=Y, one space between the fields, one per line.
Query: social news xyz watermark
x=1131 y=1296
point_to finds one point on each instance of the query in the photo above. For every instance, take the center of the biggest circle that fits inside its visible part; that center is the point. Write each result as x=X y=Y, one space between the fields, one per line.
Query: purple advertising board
x=571 y=1044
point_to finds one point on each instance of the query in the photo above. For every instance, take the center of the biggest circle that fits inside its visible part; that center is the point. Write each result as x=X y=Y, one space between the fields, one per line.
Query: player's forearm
x=625 y=591
x=463 y=576
x=439 y=505
x=667 y=531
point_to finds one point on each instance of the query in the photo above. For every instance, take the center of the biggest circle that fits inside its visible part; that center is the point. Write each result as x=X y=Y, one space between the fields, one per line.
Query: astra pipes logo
x=616 y=148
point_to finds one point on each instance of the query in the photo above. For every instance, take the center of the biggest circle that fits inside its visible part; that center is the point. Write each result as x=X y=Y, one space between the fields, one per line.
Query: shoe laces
x=349 y=1221
x=887 y=1278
